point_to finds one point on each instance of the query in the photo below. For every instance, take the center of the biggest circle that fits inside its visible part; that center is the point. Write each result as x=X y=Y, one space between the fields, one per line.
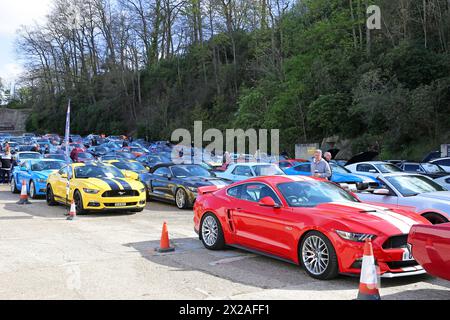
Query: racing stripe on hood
x=112 y=184
x=395 y=219
x=124 y=184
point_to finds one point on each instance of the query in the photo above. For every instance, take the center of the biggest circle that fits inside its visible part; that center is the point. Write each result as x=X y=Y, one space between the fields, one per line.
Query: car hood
x=367 y=218
x=345 y=177
x=438 y=195
x=43 y=174
x=111 y=184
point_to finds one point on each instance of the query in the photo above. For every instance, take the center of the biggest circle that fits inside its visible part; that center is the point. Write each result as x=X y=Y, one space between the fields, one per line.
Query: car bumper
x=391 y=262
x=96 y=203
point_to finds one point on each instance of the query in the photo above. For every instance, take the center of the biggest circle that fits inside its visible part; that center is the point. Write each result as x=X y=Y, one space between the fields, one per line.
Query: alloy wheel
x=180 y=198
x=315 y=255
x=210 y=230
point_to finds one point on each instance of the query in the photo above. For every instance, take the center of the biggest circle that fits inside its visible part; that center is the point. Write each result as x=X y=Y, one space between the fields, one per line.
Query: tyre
x=318 y=257
x=50 y=197
x=77 y=198
x=14 y=186
x=211 y=233
x=181 y=199
x=32 y=190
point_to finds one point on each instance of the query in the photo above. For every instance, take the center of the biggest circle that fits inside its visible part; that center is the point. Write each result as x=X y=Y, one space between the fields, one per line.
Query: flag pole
x=67 y=156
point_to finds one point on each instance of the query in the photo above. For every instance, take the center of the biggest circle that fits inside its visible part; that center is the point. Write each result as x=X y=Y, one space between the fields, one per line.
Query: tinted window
x=234 y=192
x=365 y=167
x=183 y=171
x=387 y=168
x=303 y=168
x=47 y=165
x=162 y=171
x=443 y=162
x=95 y=171
x=256 y=191
x=412 y=167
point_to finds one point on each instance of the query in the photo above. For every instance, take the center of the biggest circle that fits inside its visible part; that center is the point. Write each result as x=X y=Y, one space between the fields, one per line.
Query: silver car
x=421 y=193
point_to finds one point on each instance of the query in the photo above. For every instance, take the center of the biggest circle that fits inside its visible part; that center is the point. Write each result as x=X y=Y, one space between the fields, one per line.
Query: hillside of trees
x=307 y=67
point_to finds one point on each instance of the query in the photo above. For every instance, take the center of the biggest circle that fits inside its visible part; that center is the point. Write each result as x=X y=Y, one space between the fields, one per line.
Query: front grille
x=120 y=193
x=114 y=205
x=401 y=264
x=396 y=242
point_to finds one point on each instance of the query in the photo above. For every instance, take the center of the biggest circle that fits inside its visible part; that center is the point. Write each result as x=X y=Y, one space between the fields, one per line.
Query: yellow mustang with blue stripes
x=95 y=187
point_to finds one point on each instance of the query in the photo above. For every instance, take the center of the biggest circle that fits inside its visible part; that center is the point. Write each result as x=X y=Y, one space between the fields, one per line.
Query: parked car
x=430 y=246
x=307 y=221
x=443 y=181
x=420 y=193
x=95 y=187
x=35 y=174
x=20 y=156
x=178 y=183
x=373 y=169
x=152 y=160
x=130 y=168
x=242 y=171
x=339 y=175
x=427 y=169
x=443 y=162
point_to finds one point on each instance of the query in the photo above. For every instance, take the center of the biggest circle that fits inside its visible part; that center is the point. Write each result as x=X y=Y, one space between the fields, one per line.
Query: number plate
x=120 y=204
x=407 y=255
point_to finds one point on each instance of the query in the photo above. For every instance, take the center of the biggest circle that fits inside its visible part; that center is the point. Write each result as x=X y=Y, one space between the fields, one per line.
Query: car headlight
x=353 y=236
x=193 y=189
x=91 y=191
x=142 y=190
x=42 y=180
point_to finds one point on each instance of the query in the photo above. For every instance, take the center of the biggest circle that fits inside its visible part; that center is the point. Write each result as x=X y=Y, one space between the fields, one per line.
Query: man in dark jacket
x=5 y=171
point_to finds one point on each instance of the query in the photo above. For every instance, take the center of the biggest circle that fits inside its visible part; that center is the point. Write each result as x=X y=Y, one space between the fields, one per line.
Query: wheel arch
x=434 y=215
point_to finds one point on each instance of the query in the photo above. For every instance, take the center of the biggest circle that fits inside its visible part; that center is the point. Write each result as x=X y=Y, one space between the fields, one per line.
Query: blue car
x=340 y=175
x=35 y=173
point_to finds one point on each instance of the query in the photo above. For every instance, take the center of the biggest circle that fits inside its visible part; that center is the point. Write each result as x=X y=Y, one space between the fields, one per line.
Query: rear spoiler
x=208 y=189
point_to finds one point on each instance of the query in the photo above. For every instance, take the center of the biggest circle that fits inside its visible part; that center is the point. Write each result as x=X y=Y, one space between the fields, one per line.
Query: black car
x=98 y=151
x=152 y=160
x=427 y=169
x=178 y=183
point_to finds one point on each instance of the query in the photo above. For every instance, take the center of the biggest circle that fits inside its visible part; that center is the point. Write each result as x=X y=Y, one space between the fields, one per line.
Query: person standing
x=5 y=171
x=328 y=157
x=319 y=167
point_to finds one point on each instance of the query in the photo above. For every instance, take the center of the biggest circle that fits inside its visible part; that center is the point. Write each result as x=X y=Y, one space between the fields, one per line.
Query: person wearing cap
x=319 y=167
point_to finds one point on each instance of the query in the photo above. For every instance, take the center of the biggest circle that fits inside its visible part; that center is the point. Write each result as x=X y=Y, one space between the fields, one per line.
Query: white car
x=418 y=192
x=245 y=170
x=373 y=169
x=443 y=181
x=443 y=162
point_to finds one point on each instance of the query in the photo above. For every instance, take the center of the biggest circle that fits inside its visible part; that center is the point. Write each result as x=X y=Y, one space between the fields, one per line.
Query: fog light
x=142 y=202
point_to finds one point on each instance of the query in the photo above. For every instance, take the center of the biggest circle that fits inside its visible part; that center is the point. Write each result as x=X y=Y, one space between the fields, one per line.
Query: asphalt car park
x=112 y=256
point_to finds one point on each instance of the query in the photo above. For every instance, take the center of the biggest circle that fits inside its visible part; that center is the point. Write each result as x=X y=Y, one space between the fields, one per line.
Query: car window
x=365 y=167
x=313 y=193
x=303 y=168
x=387 y=168
x=412 y=167
x=267 y=170
x=234 y=192
x=413 y=185
x=443 y=162
x=243 y=171
x=256 y=191
x=162 y=171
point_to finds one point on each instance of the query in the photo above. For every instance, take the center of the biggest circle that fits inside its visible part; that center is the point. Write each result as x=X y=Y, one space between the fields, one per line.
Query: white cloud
x=14 y=13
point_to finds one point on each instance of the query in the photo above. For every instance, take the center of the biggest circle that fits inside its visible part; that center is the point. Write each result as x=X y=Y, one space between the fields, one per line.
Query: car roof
x=444 y=158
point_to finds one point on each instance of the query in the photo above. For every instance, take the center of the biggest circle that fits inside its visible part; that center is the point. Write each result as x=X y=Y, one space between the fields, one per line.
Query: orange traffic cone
x=164 y=245
x=368 y=284
x=24 y=194
x=72 y=212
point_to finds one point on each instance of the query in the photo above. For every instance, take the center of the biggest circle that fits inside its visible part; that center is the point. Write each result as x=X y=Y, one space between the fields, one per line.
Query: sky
x=13 y=14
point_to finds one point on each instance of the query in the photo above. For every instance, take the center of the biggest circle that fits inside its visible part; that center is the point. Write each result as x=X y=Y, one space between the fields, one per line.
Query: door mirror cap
x=382 y=192
x=268 y=202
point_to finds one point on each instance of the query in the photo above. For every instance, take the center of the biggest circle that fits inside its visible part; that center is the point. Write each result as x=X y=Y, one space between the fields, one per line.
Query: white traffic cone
x=368 y=284
x=24 y=194
x=72 y=212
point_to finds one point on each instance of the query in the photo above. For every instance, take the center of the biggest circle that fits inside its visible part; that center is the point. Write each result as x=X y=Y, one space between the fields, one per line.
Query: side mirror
x=64 y=176
x=382 y=192
x=268 y=202
x=168 y=176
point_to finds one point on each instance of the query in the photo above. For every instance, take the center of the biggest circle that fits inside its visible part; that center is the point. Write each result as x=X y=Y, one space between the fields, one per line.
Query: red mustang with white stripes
x=306 y=221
